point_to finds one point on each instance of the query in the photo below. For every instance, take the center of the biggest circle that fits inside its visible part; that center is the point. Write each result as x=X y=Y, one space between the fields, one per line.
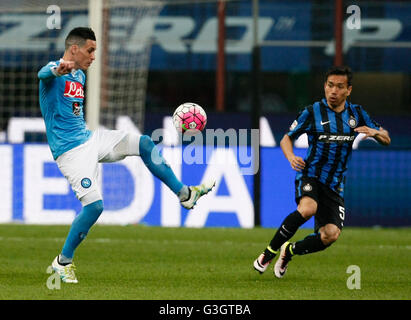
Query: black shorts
x=330 y=205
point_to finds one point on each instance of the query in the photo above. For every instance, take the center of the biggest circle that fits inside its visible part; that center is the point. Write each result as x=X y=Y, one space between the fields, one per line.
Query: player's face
x=337 y=90
x=85 y=55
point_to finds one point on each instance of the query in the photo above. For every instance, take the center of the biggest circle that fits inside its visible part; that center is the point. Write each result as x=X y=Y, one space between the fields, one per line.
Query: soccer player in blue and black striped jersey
x=331 y=126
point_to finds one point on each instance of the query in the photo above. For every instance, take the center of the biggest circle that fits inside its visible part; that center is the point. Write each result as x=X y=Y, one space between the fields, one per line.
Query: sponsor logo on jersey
x=76 y=108
x=74 y=90
x=335 y=138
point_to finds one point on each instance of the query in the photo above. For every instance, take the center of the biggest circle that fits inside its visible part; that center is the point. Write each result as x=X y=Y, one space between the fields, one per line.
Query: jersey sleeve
x=300 y=125
x=367 y=121
x=48 y=72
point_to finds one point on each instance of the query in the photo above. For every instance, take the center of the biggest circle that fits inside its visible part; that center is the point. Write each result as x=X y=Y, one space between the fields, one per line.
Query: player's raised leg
x=143 y=146
x=159 y=167
x=195 y=193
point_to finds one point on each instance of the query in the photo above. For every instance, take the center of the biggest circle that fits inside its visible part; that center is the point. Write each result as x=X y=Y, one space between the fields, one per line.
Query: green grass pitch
x=153 y=263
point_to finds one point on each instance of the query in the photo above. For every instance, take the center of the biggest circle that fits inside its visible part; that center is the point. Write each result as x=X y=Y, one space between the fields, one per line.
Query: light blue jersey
x=61 y=104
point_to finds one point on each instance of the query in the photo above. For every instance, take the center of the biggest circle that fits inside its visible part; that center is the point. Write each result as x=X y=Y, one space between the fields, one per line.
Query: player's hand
x=369 y=132
x=297 y=163
x=65 y=67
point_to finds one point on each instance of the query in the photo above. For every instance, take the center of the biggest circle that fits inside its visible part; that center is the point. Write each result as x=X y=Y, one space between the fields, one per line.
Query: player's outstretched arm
x=51 y=70
x=382 y=136
x=65 y=67
x=286 y=144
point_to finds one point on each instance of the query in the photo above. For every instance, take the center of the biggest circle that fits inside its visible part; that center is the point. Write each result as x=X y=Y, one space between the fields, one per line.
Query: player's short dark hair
x=79 y=36
x=340 y=71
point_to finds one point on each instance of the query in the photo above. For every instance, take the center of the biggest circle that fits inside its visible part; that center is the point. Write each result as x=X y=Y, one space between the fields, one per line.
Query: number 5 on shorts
x=342 y=212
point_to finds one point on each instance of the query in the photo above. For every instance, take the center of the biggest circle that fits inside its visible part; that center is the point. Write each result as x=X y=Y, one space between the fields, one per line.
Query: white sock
x=184 y=193
x=63 y=260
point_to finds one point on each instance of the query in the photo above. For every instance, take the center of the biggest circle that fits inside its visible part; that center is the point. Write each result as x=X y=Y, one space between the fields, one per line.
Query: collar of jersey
x=324 y=101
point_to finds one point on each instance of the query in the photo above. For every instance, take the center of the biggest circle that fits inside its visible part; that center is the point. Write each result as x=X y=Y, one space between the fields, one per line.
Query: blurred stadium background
x=155 y=55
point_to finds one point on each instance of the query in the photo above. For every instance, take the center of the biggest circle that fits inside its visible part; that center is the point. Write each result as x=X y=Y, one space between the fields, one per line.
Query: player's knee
x=307 y=207
x=146 y=144
x=330 y=235
x=307 y=212
x=329 y=240
x=93 y=212
x=150 y=154
x=98 y=207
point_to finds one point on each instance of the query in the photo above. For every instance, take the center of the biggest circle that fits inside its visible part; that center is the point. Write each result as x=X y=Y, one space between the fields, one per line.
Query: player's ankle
x=184 y=194
x=63 y=260
x=269 y=254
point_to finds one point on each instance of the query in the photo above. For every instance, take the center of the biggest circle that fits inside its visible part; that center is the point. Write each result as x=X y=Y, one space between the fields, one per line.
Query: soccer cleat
x=66 y=272
x=196 y=192
x=262 y=262
x=280 y=267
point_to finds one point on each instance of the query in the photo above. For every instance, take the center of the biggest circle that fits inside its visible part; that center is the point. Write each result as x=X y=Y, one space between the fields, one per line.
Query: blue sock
x=80 y=227
x=155 y=162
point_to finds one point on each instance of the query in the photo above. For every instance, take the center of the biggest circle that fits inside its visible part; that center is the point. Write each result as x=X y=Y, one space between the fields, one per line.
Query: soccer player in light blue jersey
x=77 y=150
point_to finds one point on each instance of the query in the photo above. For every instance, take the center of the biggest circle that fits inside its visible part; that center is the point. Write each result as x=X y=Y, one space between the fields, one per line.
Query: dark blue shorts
x=330 y=206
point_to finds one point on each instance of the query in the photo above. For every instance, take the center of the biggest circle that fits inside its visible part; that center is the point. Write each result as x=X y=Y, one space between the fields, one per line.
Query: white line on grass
x=167 y=241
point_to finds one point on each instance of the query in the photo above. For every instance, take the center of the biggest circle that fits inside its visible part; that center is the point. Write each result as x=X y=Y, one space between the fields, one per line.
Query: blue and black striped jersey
x=330 y=139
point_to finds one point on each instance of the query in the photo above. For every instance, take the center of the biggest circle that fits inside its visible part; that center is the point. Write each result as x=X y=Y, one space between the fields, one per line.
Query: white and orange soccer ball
x=189 y=117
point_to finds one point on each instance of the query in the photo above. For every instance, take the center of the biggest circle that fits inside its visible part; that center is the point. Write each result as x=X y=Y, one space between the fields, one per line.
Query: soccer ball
x=189 y=117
